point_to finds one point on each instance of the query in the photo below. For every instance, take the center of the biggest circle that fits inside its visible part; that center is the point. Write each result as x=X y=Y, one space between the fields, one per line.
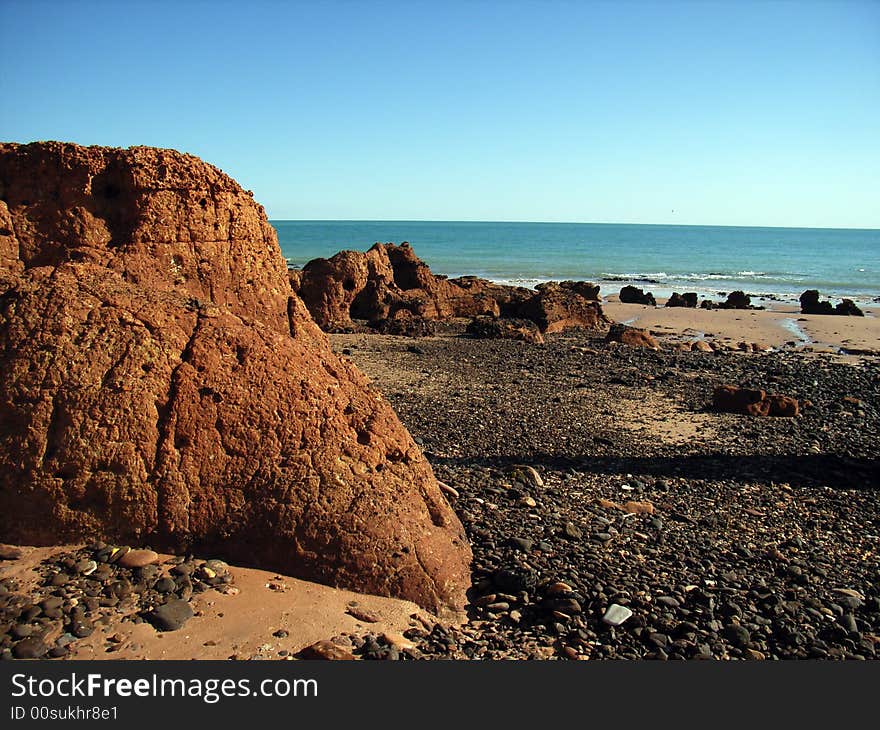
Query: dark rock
x=632 y=295
x=30 y=648
x=405 y=324
x=51 y=602
x=688 y=299
x=165 y=585
x=737 y=635
x=736 y=300
x=82 y=628
x=21 y=631
x=170 y=616
x=810 y=304
x=509 y=329
x=521 y=543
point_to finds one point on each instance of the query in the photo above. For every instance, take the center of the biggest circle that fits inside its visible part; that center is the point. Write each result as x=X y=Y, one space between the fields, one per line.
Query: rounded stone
x=30 y=648
x=82 y=629
x=139 y=558
x=170 y=616
x=21 y=631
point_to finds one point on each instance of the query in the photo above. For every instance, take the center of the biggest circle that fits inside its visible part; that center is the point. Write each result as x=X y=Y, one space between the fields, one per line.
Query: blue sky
x=727 y=113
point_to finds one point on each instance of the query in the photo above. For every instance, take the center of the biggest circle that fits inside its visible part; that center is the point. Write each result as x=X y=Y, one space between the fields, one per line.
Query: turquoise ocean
x=778 y=262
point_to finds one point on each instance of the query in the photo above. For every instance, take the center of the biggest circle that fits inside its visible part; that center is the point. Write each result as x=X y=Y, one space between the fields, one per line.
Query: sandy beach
x=781 y=326
x=259 y=615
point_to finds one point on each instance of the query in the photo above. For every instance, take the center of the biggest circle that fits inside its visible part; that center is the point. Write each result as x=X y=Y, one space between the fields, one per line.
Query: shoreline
x=783 y=326
x=663 y=290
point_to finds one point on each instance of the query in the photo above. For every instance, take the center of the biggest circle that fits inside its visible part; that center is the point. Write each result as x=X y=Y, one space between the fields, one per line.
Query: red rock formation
x=752 y=402
x=632 y=336
x=329 y=287
x=163 y=384
x=560 y=306
x=373 y=286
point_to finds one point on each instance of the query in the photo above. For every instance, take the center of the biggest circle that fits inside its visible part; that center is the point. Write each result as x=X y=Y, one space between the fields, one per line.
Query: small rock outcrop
x=631 y=336
x=376 y=284
x=163 y=384
x=736 y=300
x=688 y=299
x=560 y=306
x=753 y=402
x=634 y=295
x=810 y=304
x=505 y=329
x=404 y=323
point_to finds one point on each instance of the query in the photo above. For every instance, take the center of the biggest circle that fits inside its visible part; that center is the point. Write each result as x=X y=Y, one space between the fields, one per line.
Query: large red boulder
x=162 y=384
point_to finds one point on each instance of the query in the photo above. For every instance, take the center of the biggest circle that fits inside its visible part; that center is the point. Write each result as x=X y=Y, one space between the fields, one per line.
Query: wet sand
x=772 y=327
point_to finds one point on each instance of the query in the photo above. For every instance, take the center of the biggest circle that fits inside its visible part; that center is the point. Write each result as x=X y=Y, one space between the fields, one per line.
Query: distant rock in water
x=376 y=285
x=735 y=300
x=810 y=304
x=689 y=299
x=633 y=295
x=163 y=384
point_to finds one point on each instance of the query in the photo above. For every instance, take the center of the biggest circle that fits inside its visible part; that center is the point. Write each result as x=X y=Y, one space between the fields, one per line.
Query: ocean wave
x=655 y=277
x=716 y=290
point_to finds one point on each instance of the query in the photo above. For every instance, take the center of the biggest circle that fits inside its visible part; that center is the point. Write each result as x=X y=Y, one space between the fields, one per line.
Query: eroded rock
x=164 y=385
x=379 y=284
x=631 y=336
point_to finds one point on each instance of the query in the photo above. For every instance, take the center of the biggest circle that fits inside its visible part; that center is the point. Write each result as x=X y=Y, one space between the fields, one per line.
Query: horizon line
x=559 y=222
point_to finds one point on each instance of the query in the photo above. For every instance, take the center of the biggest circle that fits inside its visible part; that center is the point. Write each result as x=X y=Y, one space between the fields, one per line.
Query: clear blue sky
x=728 y=113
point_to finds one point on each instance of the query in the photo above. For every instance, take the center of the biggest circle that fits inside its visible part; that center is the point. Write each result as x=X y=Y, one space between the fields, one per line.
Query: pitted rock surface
x=163 y=384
